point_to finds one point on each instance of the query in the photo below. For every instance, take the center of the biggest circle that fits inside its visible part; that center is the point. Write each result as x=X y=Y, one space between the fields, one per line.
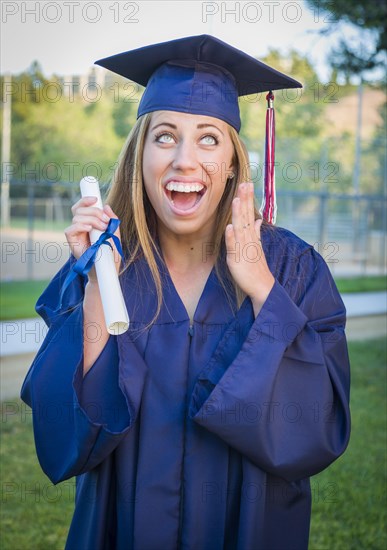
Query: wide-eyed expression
x=187 y=159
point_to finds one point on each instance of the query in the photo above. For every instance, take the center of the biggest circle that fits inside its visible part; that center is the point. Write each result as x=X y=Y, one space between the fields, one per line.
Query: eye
x=209 y=140
x=164 y=137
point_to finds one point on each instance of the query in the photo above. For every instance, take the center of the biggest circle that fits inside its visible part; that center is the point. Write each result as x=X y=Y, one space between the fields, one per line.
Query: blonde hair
x=138 y=218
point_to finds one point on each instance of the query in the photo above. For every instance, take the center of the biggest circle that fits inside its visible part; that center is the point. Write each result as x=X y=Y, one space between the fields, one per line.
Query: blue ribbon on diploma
x=83 y=265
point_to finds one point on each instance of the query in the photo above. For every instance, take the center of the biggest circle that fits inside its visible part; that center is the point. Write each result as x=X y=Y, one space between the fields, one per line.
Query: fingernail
x=105 y=218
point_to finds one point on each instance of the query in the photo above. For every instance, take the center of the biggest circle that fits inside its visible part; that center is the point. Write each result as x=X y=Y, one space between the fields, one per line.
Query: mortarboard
x=204 y=75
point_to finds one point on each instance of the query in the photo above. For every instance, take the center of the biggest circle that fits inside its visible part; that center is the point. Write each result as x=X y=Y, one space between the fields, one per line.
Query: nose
x=185 y=158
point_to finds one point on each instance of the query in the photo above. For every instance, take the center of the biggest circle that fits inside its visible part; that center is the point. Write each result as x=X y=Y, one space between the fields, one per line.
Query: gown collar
x=214 y=307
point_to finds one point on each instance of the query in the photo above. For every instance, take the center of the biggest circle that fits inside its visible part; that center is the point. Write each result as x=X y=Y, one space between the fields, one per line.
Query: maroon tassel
x=269 y=206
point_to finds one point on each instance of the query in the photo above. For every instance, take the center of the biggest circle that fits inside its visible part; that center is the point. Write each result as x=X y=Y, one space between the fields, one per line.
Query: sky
x=66 y=37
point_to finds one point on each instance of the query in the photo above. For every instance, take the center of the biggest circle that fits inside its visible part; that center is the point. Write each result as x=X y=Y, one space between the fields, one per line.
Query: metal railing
x=348 y=231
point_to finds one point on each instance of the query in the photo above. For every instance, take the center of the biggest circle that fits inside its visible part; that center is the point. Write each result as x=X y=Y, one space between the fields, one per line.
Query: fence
x=349 y=231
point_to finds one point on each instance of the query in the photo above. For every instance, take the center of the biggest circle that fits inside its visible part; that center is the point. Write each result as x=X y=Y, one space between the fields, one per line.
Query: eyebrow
x=199 y=126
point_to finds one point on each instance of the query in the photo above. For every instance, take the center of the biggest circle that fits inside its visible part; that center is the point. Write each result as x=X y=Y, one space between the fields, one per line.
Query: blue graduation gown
x=198 y=438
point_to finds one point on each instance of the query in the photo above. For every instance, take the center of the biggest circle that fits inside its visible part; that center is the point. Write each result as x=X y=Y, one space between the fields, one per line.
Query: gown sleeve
x=282 y=398
x=78 y=420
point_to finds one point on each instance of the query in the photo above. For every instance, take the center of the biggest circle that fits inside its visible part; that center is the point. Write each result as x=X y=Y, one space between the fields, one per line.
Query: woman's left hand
x=245 y=257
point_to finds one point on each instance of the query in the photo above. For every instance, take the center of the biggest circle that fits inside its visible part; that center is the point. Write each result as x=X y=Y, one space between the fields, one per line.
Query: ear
x=231 y=172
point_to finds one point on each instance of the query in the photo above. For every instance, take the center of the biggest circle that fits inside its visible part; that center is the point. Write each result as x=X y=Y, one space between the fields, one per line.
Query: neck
x=183 y=253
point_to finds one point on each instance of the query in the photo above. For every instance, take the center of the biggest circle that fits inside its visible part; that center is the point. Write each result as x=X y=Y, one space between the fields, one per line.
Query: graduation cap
x=204 y=75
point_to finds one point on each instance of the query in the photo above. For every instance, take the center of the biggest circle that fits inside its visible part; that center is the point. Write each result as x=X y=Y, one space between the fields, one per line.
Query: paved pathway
x=360 y=304
x=22 y=336
x=20 y=340
x=40 y=258
x=42 y=254
x=27 y=335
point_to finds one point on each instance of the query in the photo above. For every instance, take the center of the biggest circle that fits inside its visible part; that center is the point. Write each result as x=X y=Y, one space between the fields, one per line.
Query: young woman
x=200 y=426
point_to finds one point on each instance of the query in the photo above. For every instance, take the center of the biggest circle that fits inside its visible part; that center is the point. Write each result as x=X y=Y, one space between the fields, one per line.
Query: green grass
x=362 y=284
x=39 y=224
x=349 y=505
x=34 y=513
x=17 y=299
x=349 y=508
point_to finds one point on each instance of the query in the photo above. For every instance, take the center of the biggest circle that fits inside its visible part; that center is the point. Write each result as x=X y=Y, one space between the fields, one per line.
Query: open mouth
x=184 y=196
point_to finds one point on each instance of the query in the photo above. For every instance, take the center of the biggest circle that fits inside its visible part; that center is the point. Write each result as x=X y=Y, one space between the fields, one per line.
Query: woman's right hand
x=85 y=218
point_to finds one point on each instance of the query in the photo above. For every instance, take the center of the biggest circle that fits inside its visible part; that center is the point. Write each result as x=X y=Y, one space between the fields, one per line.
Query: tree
x=124 y=117
x=299 y=124
x=25 y=91
x=367 y=16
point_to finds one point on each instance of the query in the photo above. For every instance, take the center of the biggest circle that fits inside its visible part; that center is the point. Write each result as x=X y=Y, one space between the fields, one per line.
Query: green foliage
x=124 y=116
x=62 y=140
x=70 y=135
x=25 y=91
x=372 y=160
x=369 y=17
x=67 y=137
x=376 y=156
x=299 y=116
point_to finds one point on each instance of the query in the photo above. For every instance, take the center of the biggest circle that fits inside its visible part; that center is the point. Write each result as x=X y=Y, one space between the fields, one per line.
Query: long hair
x=138 y=218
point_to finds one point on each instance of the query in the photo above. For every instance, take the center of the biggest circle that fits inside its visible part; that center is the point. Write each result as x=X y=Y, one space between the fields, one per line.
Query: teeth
x=184 y=188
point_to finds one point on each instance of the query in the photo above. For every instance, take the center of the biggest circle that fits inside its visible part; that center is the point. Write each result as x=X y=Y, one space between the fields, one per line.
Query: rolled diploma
x=113 y=303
